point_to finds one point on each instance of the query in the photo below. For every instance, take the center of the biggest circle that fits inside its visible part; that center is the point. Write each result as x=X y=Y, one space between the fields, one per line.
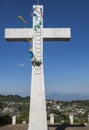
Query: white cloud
x=21 y=65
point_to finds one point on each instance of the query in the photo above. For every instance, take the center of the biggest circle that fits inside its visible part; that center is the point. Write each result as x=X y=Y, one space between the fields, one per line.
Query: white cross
x=37 y=117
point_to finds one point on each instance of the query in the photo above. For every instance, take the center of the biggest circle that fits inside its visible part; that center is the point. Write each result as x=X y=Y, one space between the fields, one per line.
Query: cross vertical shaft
x=37 y=114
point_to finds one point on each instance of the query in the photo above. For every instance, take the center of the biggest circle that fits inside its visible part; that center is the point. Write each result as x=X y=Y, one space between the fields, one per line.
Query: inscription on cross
x=38 y=34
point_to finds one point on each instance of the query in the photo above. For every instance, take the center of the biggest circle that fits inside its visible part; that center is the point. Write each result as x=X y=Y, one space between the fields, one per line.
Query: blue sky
x=66 y=64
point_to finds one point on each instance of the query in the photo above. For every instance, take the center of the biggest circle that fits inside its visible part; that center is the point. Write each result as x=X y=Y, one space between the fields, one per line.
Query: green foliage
x=49 y=104
x=1 y=105
x=57 y=119
x=80 y=120
x=21 y=118
x=55 y=111
x=24 y=114
x=18 y=104
x=4 y=120
x=13 y=98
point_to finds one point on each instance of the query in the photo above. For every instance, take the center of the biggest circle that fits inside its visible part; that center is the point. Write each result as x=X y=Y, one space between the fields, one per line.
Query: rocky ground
x=14 y=127
x=50 y=127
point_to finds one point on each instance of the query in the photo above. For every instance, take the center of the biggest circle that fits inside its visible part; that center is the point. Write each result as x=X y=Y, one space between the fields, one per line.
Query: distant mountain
x=67 y=97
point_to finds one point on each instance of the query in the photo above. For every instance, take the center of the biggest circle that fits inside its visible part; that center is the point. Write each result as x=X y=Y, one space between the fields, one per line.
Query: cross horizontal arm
x=49 y=34
x=14 y=34
x=56 y=34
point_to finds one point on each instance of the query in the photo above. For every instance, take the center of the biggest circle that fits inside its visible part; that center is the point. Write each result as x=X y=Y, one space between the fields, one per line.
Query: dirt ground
x=50 y=127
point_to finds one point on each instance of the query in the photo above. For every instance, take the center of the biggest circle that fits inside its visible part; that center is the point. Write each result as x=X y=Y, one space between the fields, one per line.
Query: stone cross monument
x=38 y=34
